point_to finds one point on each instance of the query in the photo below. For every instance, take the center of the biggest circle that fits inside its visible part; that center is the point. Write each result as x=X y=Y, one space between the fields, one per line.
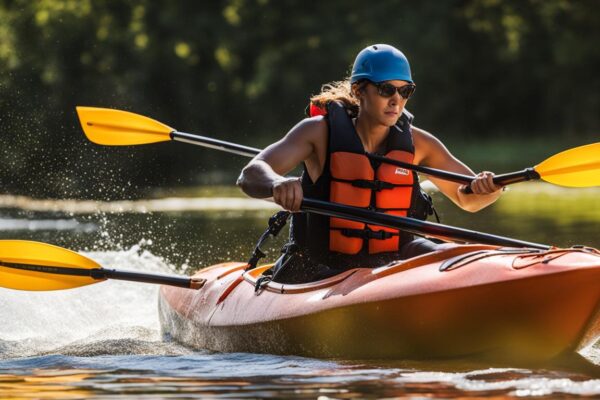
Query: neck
x=371 y=134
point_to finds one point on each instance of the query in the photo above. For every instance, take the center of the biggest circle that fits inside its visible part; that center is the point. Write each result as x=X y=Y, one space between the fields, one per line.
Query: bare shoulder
x=422 y=137
x=426 y=145
x=304 y=137
x=311 y=129
x=309 y=137
x=306 y=141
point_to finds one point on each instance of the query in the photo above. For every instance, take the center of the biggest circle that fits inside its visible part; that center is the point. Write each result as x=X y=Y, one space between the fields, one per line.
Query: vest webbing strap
x=366 y=233
x=374 y=184
x=276 y=223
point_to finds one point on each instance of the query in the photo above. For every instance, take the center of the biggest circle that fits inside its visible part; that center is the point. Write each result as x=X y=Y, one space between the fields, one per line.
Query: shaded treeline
x=242 y=70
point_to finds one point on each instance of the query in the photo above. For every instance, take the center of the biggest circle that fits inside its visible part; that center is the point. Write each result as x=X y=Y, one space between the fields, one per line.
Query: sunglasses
x=388 y=90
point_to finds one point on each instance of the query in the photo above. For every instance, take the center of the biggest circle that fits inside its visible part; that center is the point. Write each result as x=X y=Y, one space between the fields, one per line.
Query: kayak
x=461 y=301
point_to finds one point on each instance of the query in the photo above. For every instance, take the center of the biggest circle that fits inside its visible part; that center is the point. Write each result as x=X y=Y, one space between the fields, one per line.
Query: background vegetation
x=504 y=83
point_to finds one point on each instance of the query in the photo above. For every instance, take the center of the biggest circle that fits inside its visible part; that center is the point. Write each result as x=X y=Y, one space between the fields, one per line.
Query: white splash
x=525 y=386
x=37 y=322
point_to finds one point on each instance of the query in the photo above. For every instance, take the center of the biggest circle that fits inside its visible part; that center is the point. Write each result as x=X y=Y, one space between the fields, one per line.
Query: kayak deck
x=465 y=300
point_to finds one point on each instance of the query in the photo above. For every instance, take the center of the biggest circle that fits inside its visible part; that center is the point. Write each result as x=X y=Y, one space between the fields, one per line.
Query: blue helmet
x=381 y=62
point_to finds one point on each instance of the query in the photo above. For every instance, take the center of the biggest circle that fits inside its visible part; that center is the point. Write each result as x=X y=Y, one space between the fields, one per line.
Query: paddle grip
x=527 y=174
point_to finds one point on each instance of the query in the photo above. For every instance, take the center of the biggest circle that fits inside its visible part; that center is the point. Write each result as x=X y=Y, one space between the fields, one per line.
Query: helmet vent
x=374 y=47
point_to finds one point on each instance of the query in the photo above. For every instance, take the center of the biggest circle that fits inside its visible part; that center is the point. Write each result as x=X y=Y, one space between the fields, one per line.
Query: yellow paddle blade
x=121 y=128
x=54 y=266
x=578 y=167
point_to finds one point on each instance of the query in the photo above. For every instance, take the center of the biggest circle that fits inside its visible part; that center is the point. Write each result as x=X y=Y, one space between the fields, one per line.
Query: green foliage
x=242 y=70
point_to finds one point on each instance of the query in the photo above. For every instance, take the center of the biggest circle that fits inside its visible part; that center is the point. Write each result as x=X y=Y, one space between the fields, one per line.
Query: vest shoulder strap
x=342 y=135
x=400 y=138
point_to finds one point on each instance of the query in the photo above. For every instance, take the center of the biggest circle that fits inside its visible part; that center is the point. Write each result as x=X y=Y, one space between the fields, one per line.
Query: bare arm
x=429 y=151
x=263 y=176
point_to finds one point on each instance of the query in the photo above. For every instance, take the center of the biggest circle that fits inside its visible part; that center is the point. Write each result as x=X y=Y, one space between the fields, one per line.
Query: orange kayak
x=462 y=301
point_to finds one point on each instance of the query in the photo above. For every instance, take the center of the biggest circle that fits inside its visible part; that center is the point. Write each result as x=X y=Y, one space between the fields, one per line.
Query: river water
x=104 y=341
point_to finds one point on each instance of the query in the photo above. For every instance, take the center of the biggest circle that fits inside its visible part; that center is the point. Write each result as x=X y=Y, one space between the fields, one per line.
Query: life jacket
x=350 y=177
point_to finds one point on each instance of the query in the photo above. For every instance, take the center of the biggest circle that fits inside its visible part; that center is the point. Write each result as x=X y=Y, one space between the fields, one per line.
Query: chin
x=389 y=121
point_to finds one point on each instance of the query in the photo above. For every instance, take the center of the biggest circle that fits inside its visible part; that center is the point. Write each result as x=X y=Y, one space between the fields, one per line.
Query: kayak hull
x=490 y=303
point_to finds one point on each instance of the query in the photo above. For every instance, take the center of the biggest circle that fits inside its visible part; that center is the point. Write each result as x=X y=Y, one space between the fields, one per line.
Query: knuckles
x=288 y=193
x=484 y=183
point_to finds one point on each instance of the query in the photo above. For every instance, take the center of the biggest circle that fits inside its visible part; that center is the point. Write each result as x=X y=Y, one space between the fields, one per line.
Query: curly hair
x=337 y=91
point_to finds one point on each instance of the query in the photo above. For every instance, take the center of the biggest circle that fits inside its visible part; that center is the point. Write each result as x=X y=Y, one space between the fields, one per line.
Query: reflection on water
x=241 y=375
x=104 y=340
x=135 y=206
x=15 y=224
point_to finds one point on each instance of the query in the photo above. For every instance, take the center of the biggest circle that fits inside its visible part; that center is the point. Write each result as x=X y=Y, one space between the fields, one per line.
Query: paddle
x=115 y=127
x=411 y=225
x=27 y=265
x=577 y=167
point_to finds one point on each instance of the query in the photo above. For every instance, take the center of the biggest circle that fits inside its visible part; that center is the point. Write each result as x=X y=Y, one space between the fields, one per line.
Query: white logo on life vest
x=401 y=171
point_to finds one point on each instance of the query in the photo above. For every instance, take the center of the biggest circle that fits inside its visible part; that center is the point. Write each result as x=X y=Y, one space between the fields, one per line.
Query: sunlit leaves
x=231 y=12
x=137 y=27
x=47 y=12
x=182 y=50
x=225 y=58
x=141 y=40
x=499 y=19
x=8 y=55
x=41 y=17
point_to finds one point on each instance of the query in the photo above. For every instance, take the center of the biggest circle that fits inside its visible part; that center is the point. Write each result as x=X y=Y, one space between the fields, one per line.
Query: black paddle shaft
x=411 y=225
x=184 y=282
x=102 y=273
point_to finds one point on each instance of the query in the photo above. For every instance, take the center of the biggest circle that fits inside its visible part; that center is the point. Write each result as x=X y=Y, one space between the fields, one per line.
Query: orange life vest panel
x=355 y=180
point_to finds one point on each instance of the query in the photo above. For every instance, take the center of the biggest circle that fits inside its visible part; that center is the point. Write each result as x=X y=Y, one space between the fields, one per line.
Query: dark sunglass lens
x=406 y=91
x=387 y=89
